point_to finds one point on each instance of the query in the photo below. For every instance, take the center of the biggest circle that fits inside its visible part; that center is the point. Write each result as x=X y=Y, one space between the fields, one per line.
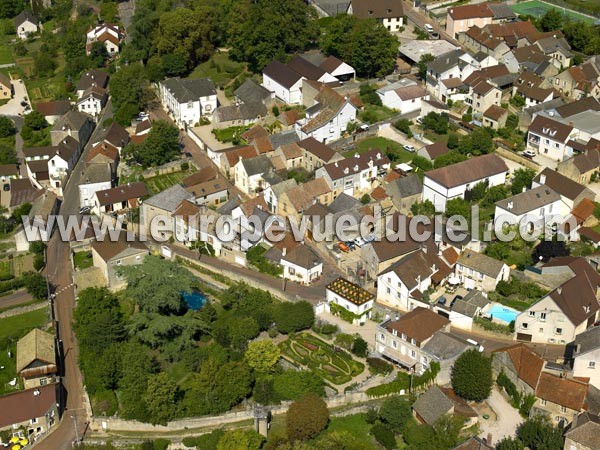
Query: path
x=506 y=422
x=13 y=106
x=15 y=299
x=126 y=11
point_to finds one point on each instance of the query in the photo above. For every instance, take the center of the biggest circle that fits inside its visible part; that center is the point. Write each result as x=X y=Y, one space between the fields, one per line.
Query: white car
x=409 y=148
x=359 y=241
x=528 y=153
x=419 y=120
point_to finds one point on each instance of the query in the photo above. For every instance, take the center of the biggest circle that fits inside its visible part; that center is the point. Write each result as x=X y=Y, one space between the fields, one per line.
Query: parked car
x=350 y=245
x=419 y=120
x=85 y=210
x=434 y=35
x=359 y=241
x=441 y=300
x=409 y=148
x=428 y=28
x=528 y=153
x=343 y=247
x=363 y=127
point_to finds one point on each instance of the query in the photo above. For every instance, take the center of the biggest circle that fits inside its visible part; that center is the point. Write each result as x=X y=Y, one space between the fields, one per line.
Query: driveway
x=507 y=419
x=13 y=107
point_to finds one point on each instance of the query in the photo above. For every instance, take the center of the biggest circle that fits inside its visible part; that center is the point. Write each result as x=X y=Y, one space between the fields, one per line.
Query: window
x=480 y=276
x=382 y=337
x=563 y=409
x=541 y=330
x=543 y=317
x=394 y=344
x=531 y=313
x=291 y=271
x=558 y=331
x=543 y=402
x=118 y=262
x=592 y=365
x=413 y=354
x=524 y=325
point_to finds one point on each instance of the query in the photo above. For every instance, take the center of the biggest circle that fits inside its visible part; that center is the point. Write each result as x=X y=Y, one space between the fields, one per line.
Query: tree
x=395 y=412
x=422 y=163
x=172 y=65
x=452 y=157
x=161 y=398
x=472 y=376
x=262 y=355
x=365 y=199
x=23 y=210
x=512 y=122
x=160 y=147
x=426 y=208
x=422 y=65
x=452 y=141
x=458 y=207
x=240 y=440
x=98 y=54
x=363 y=43
x=292 y=317
x=522 y=178
x=360 y=347
x=510 y=443
x=138 y=366
x=404 y=126
x=263 y=30
x=34 y=121
x=10 y=8
x=438 y=123
x=306 y=418
x=551 y=20
x=478 y=142
x=384 y=436
x=44 y=65
x=538 y=433
x=7 y=127
x=129 y=92
x=35 y=283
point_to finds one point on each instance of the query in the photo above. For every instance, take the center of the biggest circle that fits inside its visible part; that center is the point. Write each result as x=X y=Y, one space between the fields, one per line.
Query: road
x=420 y=19
x=58 y=269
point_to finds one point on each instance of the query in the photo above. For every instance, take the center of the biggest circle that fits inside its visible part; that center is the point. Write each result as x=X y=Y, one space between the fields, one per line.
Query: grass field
x=537 y=9
x=219 y=68
x=83 y=260
x=389 y=147
x=161 y=182
x=5 y=55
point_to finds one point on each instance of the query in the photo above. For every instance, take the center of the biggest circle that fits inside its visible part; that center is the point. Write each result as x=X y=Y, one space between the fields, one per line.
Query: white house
x=328 y=118
x=586 y=356
x=96 y=177
x=565 y=312
x=284 y=82
x=388 y=13
x=92 y=101
x=478 y=271
x=25 y=24
x=253 y=175
x=462 y=311
x=302 y=265
x=355 y=174
x=549 y=137
x=309 y=71
x=338 y=68
x=402 y=285
x=404 y=96
x=110 y=35
x=446 y=183
x=453 y=64
x=351 y=297
x=188 y=100
x=537 y=204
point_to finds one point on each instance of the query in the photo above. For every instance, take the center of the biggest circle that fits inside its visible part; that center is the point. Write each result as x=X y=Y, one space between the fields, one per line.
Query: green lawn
x=537 y=9
x=6 y=55
x=374 y=113
x=356 y=425
x=391 y=148
x=83 y=260
x=230 y=134
x=6 y=269
x=219 y=68
x=161 y=182
x=434 y=137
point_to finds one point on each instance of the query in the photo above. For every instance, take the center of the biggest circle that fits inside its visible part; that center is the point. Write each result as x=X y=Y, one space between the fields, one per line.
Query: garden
x=392 y=149
x=329 y=362
x=159 y=183
x=83 y=260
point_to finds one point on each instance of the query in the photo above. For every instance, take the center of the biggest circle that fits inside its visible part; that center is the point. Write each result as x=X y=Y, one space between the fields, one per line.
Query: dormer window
x=553 y=133
x=389 y=11
x=370 y=12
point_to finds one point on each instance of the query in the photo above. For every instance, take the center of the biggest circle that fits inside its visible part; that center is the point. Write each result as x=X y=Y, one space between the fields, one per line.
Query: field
x=387 y=146
x=5 y=55
x=537 y=9
x=161 y=182
x=324 y=360
x=219 y=68
x=82 y=260
x=16 y=267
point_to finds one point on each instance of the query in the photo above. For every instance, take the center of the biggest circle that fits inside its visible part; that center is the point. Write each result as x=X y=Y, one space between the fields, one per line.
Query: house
x=557 y=48
x=354 y=175
x=159 y=209
x=239 y=115
x=495 y=117
x=437 y=402
x=273 y=193
x=120 y=198
x=8 y=172
x=404 y=192
x=486 y=86
x=302 y=265
x=416 y=339
x=250 y=92
x=529 y=86
x=433 y=151
x=351 y=297
x=454 y=181
x=187 y=100
x=461 y=18
x=584 y=433
x=453 y=64
x=479 y=271
x=109 y=256
x=328 y=118
x=6 y=88
x=309 y=71
x=104 y=153
x=520 y=364
x=568 y=310
x=109 y=34
x=297 y=199
x=585 y=358
x=253 y=175
x=531 y=59
x=34 y=411
x=315 y=154
x=96 y=177
x=91 y=78
x=36 y=358
x=539 y=204
x=571 y=192
x=338 y=68
x=292 y=155
x=404 y=95
x=578 y=82
x=22 y=190
x=53 y=110
x=73 y=124
x=389 y=13
x=25 y=24
x=403 y=284
x=283 y=82
x=44 y=204
x=500 y=38
x=479 y=39
x=210 y=193
x=462 y=311
x=379 y=255
x=92 y=101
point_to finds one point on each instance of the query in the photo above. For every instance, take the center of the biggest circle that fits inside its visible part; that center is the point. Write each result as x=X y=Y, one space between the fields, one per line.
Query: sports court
x=537 y=8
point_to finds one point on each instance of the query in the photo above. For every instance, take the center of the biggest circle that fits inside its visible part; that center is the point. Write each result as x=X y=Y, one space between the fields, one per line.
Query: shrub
x=161 y=444
x=306 y=418
x=472 y=376
x=275 y=111
x=384 y=436
x=379 y=366
x=206 y=441
x=360 y=347
x=185 y=166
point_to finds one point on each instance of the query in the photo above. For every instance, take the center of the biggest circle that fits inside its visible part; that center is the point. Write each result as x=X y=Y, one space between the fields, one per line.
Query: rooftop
x=350 y=291
x=419 y=324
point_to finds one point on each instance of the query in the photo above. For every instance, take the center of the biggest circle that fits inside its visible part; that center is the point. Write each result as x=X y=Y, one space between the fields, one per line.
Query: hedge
x=344 y=314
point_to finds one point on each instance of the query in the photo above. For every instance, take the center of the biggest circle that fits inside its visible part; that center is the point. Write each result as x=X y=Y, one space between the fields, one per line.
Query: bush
x=185 y=166
x=206 y=441
x=161 y=444
x=306 y=418
x=275 y=111
x=384 y=436
x=472 y=376
x=365 y=199
x=395 y=412
x=404 y=126
x=369 y=95
x=360 y=347
x=345 y=341
x=379 y=366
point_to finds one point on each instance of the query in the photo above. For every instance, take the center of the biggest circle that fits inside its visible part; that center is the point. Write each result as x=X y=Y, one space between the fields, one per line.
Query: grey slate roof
x=252 y=92
x=585 y=430
x=432 y=405
x=279 y=139
x=405 y=186
x=97 y=173
x=227 y=207
x=170 y=198
x=445 y=61
x=588 y=340
x=74 y=120
x=257 y=165
x=445 y=346
x=24 y=16
x=529 y=200
x=480 y=262
x=469 y=305
x=187 y=90
x=283 y=186
x=244 y=111
x=344 y=202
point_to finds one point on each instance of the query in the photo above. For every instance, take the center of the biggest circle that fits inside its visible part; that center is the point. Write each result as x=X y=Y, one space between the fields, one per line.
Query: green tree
x=306 y=418
x=44 y=65
x=263 y=30
x=422 y=65
x=551 y=20
x=522 y=178
x=425 y=208
x=292 y=317
x=35 y=283
x=478 y=142
x=161 y=398
x=365 y=199
x=384 y=436
x=422 y=163
x=7 y=127
x=138 y=366
x=512 y=122
x=129 y=92
x=363 y=43
x=472 y=376
x=510 y=443
x=458 y=207
x=109 y=12
x=452 y=141
x=293 y=385
x=262 y=355
x=538 y=433
x=240 y=440
x=360 y=347
x=98 y=54
x=10 y=8
x=160 y=147
x=172 y=65
x=395 y=412
x=34 y=121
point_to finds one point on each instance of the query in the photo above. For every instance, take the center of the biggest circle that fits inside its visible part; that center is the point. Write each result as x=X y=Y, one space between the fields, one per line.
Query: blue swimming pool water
x=503 y=313
x=195 y=300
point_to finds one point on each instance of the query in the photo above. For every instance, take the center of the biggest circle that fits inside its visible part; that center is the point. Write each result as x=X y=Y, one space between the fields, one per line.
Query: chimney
x=559 y=290
x=510 y=205
x=524 y=189
x=542 y=179
x=284 y=251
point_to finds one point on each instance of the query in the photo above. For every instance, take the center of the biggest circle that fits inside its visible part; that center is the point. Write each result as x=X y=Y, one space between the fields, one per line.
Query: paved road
x=13 y=106
x=60 y=275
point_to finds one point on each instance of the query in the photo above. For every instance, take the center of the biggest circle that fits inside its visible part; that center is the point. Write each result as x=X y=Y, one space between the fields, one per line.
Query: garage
x=524 y=337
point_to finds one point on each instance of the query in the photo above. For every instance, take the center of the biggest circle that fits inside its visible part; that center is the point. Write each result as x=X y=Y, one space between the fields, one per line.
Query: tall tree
x=129 y=92
x=306 y=418
x=262 y=355
x=472 y=376
x=161 y=398
x=395 y=412
x=522 y=178
x=552 y=20
x=240 y=440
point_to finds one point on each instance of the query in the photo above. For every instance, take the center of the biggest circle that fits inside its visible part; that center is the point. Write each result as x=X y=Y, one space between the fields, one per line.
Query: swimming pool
x=195 y=300
x=503 y=313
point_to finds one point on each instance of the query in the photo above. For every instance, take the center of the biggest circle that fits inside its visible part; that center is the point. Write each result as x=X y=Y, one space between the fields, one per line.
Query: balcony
x=534 y=140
